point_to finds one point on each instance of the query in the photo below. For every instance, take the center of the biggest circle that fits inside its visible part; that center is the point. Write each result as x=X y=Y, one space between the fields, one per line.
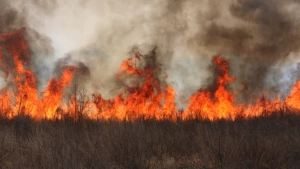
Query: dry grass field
x=271 y=142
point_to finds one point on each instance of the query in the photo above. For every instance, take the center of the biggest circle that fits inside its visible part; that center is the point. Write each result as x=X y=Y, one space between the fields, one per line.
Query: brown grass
x=264 y=143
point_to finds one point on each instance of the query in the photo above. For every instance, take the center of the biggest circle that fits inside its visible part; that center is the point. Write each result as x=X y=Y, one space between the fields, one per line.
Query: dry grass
x=262 y=143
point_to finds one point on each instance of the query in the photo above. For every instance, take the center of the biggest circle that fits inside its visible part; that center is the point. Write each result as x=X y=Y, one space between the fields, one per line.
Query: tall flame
x=152 y=98
x=219 y=104
x=23 y=97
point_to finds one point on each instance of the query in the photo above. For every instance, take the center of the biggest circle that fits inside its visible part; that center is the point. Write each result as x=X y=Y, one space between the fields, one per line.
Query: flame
x=53 y=93
x=148 y=101
x=23 y=97
x=292 y=101
x=150 y=97
x=214 y=105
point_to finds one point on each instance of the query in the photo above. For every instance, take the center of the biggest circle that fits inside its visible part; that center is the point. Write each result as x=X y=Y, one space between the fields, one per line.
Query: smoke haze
x=260 y=38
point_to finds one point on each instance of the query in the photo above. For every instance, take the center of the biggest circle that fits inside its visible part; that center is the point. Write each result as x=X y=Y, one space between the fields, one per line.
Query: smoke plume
x=260 y=38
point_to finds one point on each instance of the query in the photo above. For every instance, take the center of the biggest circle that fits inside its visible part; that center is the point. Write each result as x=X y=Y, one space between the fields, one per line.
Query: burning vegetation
x=206 y=84
x=148 y=96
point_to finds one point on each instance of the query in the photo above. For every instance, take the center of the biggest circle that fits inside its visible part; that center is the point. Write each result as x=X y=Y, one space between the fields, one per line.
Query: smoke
x=260 y=38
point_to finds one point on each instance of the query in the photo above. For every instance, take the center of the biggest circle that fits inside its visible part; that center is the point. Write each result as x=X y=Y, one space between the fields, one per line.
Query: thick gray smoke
x=260 y=38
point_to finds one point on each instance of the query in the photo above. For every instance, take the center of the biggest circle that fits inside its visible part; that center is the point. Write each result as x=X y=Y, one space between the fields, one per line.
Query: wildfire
x=214 y=105
x=152 y=98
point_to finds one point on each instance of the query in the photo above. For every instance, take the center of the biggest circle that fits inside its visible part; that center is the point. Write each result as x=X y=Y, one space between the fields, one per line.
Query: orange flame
x=151 y=99
x=24 y=98
x=147 y=101
x=53 y=93
x=216 y=105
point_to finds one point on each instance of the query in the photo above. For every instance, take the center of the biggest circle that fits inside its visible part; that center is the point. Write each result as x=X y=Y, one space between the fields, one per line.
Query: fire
x=214 y=105
x=151 y=100
x=292 y=101
x=22 y=98
x=53 y=93
x=149 y=97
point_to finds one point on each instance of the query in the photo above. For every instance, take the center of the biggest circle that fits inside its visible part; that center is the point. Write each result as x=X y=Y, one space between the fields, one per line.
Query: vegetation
x=264 y=142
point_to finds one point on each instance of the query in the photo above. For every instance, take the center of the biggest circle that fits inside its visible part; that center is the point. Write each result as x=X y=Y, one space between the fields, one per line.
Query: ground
x=266 y=142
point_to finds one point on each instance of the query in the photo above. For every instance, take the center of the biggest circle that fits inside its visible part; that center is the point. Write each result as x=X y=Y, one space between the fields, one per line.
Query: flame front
x=214 y=105
x=151 y=98
x=22 y=96
x=149 y=101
